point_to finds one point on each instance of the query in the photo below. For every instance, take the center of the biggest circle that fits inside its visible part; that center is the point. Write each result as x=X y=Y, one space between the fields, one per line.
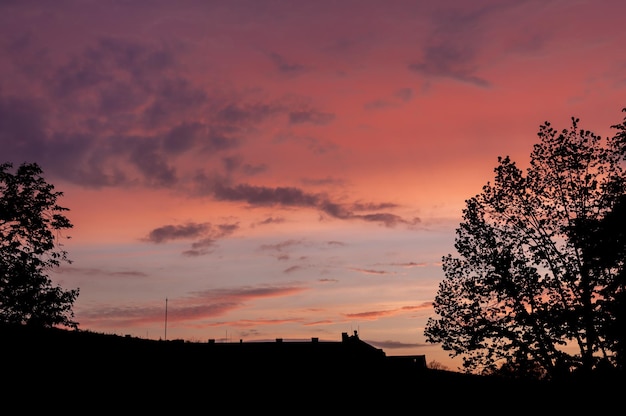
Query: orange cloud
x=202 y=305
x=373 y=315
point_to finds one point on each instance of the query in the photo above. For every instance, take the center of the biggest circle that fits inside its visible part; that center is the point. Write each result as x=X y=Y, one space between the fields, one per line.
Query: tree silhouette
x=30 y=227
x=539 y=280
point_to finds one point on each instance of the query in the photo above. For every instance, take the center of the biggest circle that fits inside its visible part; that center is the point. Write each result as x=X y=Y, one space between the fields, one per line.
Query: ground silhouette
x=83 y=372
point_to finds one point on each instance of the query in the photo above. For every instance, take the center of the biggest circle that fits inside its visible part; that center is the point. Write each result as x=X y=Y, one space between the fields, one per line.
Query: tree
x=30 y=228
x=538 y=282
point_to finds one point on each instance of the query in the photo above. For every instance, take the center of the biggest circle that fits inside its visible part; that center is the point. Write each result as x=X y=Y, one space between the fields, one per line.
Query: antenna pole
x=165 y=319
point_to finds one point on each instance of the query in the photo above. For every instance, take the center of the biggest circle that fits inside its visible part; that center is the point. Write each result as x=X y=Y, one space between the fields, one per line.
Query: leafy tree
x=538 y=284
x=30 y=227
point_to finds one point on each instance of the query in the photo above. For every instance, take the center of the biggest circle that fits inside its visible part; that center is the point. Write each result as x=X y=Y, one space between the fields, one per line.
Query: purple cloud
x=285 y=67
x=177 y=232
x=313 y=117
x=205 y=234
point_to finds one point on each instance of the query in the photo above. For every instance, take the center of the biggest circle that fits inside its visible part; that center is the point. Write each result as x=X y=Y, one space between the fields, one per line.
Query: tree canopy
x=31 y=223
x=538 y=284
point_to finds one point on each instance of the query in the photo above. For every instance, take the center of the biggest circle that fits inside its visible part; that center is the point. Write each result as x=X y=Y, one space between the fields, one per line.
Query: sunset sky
x=286 y=169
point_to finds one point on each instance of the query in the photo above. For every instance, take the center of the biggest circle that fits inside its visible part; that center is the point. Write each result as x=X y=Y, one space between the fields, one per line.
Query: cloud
x=88 y=106
x=176 y=232
x=313 y=117
x=248 y=323
x=293 y=269
x=22 y=129
x=420 y=307
x=296 y=197
x=409 y=264
x=336 y=243
x=183 y=136
x=119 y=112
x=454 y=47
x=208 y=304
x=346 y=212
x=85 y=271
x=172 y=99
x=370 y=315
x=374 y=315
x=253 y=170
x=389 y=220
x=461 y=35
x=271 y=220
x=378 y=104
x=247 y=293
x=124 y=111
x=282 y=245
x=263 y=196
x=27 y=57
x=399 y=97
x=201 y=247
x=281 y=249
x=234 y=163
x=113 y=61
x=321 y=322
x=370 y=271
x=311 y=143
x=245 y=113
x=449 y=61
x=404 y=94
x=391 y=345
x=205 y=233
x=153 y=166
x=285 y=67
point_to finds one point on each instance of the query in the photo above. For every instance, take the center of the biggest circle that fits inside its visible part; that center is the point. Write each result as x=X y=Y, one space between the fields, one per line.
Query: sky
x=252 y=170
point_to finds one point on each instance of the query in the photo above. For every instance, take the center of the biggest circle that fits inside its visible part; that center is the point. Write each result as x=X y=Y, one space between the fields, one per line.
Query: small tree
x=30 y=226
x=539 y=281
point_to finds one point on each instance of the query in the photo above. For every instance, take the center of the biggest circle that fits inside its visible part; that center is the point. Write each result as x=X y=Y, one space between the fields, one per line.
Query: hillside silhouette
x=55 y=368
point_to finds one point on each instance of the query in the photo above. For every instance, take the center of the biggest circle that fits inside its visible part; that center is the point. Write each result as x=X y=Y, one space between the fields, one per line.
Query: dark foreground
x=65 y=372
